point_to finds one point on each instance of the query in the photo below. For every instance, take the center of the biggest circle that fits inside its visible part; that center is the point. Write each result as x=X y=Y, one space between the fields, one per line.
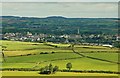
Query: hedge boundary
x=76 y=71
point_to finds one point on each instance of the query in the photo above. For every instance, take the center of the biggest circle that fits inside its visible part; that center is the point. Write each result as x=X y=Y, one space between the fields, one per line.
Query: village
x=92 y=39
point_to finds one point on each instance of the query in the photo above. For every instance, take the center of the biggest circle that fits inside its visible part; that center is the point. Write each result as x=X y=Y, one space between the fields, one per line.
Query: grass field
x=107 y=56
x=40 y=57
x=14 y=48
x=16 y=57
x=83 y=48
x=18 y=73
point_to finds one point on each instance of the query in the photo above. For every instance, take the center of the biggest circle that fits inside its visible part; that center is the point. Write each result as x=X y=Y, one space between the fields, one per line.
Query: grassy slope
x=83 y=48
x=85 y=64
x=14 y=48
x=79 y=63
x=18 y=73
x=22 y=48
x=40 y=57
x=106 y=56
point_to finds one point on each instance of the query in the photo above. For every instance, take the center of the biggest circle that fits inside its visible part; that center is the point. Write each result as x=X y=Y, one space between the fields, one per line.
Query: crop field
x=36 y=55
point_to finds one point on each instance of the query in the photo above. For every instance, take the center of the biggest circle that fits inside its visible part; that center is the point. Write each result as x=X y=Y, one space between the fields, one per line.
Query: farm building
x=107 y=45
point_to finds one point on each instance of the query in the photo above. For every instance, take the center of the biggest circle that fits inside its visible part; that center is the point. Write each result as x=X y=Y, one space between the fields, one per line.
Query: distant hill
x=56 y=17
x=59 y=25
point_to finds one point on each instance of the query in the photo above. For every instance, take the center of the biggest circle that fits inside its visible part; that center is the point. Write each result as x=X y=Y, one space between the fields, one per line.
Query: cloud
x=68 y=9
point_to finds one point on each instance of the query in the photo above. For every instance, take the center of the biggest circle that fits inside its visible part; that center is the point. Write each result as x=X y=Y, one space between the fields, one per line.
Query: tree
x=3 y=56
x=55 y=69
x=117 y=44
x=42 y=70
x=69 y=66
x=51 y=68
x=46 y=68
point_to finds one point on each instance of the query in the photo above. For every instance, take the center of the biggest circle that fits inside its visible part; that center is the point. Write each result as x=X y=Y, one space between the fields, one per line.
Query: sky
x=66 y=9
x=59 y=0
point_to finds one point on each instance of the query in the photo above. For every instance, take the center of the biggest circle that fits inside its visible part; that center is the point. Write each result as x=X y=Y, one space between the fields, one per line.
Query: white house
x=107 y=45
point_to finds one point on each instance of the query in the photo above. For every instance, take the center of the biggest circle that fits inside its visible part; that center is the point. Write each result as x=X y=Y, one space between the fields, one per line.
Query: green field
x=84 y=48
x=14 y=48
x=18 y=73
x=28 y=55
x=40 y=57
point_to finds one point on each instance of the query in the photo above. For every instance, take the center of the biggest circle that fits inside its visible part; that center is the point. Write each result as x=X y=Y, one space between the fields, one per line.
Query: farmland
x=16 y=73
x=36 y=55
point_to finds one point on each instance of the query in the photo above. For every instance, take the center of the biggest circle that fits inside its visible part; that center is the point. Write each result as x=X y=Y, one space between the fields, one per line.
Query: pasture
x=31 y=54
x=18 y=73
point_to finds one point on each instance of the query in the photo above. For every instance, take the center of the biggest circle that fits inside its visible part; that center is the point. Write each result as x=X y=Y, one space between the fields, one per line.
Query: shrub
x=49 y=69
x=69 y=66
x=53 y=52
x=44 y=53
x=55 y=69
x=29 y=54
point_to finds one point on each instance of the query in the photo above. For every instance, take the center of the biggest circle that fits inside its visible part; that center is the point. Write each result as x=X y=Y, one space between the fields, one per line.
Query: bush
x=55 y=69
x=44 y=53
x=29 y=54
x=45 y=72
x=53 y=52
x=69 y=66
x=49 y=69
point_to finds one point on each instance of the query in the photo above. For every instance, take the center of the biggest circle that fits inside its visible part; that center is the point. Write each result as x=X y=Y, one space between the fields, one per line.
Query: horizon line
x=53 y=16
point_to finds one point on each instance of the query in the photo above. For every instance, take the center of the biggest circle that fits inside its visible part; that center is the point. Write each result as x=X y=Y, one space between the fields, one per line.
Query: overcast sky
x=66 y=9
x=59 y=0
